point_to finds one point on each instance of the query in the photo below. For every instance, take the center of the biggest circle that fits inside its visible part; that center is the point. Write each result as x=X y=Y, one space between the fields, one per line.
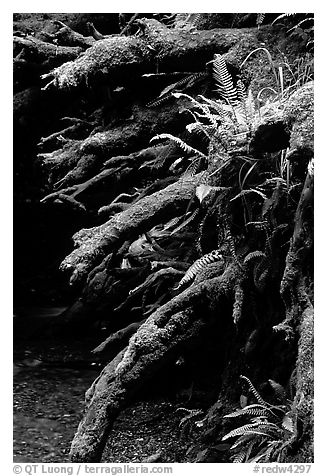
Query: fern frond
x=247 y=191
x=191 y=414
x=224 y=81
x=300 y=23
x=183 y=84
x=260 y=19
x=288 y=422
x=195 y=103
x=200 y=129
x=241 y=441
x=254 y=390
x=283 y=15
x=241 y=91
x=258 y=457
x=246 y=107
x=223 y=110
x=257 y=428
x=250 y=109
x=254 y=410
x=185 y=147
x=254 y=255
x=260 y=273
x=199 y=265
x=195 y=166
x=271 y=449
x=240 y=457
x=158 y=101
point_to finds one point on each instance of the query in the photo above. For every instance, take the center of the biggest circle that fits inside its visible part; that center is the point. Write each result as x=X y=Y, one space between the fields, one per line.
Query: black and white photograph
x=163 y=232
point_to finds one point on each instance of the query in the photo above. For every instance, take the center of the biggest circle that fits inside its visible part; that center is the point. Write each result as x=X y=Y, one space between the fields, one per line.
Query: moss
x=299 y=117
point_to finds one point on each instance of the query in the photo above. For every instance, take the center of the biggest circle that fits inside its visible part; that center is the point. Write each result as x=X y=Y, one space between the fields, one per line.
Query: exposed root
x=95 y=242
x=156 y=342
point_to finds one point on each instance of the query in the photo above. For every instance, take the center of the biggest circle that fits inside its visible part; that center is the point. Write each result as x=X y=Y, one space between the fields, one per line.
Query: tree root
x=41 y=51
x=117 y=57
x=156 y=342
x=118 y=337
x=95 y=242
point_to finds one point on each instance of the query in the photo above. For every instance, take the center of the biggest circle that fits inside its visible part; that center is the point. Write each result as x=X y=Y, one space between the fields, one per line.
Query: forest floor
x=48 y=399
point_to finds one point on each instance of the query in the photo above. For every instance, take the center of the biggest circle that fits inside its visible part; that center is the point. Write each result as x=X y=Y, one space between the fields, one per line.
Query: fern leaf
x=189 y=416
x=158 y=101
x=194 y=167
x=240 y=457
x=202 y=191
x=241 y=92
x=251 y=428
x=250 y=109
x=283 y=15
x=167 y=92
x=246 y=107
x=185 y=147
x=253 y=390
x=185 y=222
x=198 y=265
x=241 y=441
x=300 y=23
x=203 y=107
x=272 y=447
x=260 y=273
x=288 y=422
x=246 y=192
x=258 y=457
x=200 y=129
x=254 y=255
x=224 y=80
x=254 y=410
x=223 y=110
x=260 y=19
